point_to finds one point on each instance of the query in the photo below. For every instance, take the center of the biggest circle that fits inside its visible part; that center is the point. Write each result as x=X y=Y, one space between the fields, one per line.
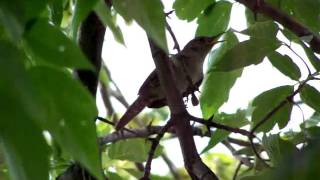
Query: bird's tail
x=134 y=109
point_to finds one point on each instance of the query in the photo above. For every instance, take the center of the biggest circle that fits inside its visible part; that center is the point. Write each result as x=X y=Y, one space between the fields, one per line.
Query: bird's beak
x=216 y=37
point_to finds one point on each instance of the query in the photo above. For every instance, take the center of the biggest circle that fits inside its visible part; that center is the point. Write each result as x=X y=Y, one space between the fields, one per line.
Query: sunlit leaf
x=285 y=65
x=215 y=19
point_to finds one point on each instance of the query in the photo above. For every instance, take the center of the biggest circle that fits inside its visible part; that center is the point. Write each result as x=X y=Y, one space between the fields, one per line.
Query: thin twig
x=155 y=143
x=304 y=62
x=244 y=160
x=176 y=44
x=171 y=166
x=210 y=123
x=237 y=171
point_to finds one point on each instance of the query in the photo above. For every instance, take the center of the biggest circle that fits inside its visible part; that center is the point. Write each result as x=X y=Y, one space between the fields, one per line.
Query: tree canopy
x=51 y=69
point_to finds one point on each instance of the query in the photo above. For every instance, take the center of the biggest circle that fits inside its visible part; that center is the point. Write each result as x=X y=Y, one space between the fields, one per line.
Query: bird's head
x=201 y=45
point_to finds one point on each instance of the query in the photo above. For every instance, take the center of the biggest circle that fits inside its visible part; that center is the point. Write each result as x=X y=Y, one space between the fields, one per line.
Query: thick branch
x=91 y=36
x=259 y=6
x=195 y=167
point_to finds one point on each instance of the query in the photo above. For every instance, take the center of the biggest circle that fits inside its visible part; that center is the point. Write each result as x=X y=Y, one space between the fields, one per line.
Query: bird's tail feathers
x=134 y=109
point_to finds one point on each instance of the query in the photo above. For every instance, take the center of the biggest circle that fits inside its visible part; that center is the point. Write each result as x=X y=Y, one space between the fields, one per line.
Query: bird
x=187 y=68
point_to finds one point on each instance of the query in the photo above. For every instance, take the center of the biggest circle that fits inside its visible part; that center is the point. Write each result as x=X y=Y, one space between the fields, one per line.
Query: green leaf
x=25 y=150
x=81 y=11
x=300 y=165
x=266 y=30
x=54 y=47
x=277 y=148
x=148 y=14
x=314 y=60
x=217 y=85
x=311 y=97
x=71 y=111
x=113 y=176
x=266 y=102
x=135 y=150
x=285 y=65
x=16 y=14
x=190 y=9
x=106 y=17
x=103 y=77
x=215 y=19
x=242 y=54
x=56 y=11
x=237 y=120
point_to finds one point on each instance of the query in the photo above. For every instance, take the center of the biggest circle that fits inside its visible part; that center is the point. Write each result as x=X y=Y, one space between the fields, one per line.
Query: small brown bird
x=186 y=64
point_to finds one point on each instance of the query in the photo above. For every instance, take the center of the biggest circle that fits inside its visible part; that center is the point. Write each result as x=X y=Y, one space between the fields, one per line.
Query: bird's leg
x=191 y=87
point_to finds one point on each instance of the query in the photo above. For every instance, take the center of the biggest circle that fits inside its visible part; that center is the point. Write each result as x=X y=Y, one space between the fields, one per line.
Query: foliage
x=47 y=115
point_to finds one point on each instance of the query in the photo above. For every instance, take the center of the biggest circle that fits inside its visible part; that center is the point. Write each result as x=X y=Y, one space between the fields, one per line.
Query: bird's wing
x=151 y=82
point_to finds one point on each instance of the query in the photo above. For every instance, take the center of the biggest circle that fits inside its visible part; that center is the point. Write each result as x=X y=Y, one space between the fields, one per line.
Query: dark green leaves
x=266 y=31
x=243 y=55
x=51 y=46
x=217 y=85
x=311 y=97
x=190 y=9
x=262 y=42
x=71 y=112
x=268 y=101
x=148 y=14
x=306 y=12
x=285 y=65
x=26 y=152
x=16 y=14
x=135 y=150
x=215 y=19
x=277 y=148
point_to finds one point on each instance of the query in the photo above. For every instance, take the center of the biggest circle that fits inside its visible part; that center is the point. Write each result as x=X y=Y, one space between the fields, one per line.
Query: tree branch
x=195 y=167
x=90 y=40
x=259 y=6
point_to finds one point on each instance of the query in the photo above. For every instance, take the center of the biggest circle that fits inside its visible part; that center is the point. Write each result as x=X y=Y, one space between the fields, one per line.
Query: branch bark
x=259 y=6
x=193 y=163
